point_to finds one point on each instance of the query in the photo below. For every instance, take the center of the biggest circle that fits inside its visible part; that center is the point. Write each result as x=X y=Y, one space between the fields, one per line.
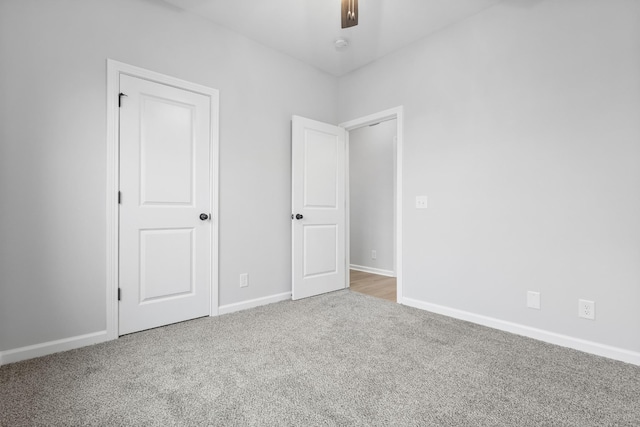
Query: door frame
x=390 y=114
x=114 y=70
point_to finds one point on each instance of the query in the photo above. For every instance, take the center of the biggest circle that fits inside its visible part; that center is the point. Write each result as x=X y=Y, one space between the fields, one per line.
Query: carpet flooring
x=338 y=359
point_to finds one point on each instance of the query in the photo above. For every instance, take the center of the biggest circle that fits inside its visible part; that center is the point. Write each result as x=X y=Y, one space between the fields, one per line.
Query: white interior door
x=319 y=208
x=165 y=183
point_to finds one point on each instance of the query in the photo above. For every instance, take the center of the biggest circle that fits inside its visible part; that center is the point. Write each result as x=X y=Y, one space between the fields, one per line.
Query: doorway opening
x=374 y=204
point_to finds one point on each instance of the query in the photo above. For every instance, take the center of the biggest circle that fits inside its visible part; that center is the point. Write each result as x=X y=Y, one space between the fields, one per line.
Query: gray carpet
x=335 y=360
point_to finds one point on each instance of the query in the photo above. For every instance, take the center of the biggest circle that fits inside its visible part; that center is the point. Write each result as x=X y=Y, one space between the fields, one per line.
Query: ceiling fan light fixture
x=349 y=13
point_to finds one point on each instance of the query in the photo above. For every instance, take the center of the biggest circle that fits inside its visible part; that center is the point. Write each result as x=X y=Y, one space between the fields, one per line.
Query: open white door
x=165 y=224
x=319 y=207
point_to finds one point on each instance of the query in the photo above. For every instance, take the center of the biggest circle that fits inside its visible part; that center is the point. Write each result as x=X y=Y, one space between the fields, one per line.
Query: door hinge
x=120 y=95
x=119 y=198
x=119 y=294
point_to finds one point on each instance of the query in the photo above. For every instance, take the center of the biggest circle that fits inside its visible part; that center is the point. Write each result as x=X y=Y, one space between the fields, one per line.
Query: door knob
x=298 y=216
x=204 y=216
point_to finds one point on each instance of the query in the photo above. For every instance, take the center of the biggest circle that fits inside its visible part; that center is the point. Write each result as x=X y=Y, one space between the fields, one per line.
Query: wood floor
x=373 y=284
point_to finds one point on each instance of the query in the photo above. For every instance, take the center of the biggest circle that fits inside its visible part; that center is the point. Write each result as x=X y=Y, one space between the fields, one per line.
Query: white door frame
x=114 y=70
x=392 y=113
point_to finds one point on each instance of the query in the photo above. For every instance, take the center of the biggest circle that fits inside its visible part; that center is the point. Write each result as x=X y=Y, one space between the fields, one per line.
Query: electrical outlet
x=244 y=280
x=533 y=300
x=586 y=309
x=421 y=202
x=374 y=254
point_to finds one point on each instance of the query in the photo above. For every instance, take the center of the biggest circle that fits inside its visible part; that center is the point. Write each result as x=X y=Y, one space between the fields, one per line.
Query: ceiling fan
x=349 y=13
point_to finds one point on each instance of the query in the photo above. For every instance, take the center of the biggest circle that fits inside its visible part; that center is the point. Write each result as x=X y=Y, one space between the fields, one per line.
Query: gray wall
x=53 y=152
x=372 y=203
x=521 y=125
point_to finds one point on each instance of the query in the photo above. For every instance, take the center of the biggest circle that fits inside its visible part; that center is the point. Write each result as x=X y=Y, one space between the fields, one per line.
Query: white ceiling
x=307 y=29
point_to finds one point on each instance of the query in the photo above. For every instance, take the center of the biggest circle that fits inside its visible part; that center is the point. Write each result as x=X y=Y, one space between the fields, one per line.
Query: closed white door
x=165 y=184
x=319 y=208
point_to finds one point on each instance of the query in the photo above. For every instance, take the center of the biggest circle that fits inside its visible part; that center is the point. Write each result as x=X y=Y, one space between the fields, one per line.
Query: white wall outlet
x=533 y=300
x=421 y=202
x=374 y=254
x=244 y=280
x=586 y=309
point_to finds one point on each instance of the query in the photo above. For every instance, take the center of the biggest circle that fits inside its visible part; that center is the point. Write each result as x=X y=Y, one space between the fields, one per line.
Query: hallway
x=374 y=285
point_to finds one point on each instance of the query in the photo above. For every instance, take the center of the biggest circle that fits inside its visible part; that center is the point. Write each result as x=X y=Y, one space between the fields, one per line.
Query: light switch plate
x=421 y=202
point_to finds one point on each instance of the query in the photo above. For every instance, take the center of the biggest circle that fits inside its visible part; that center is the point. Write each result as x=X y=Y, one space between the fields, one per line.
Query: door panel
x=166 y=144
x=166 y=264
x=320 y=250
x=320 y=169
x=318 y=194
x=165 y=181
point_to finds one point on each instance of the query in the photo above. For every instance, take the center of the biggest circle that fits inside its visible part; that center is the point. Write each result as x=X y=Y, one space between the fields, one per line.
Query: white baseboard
x=616 y=353
x=43 y=349
x=372 y=270
x=244 y=305
x=527 y=331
